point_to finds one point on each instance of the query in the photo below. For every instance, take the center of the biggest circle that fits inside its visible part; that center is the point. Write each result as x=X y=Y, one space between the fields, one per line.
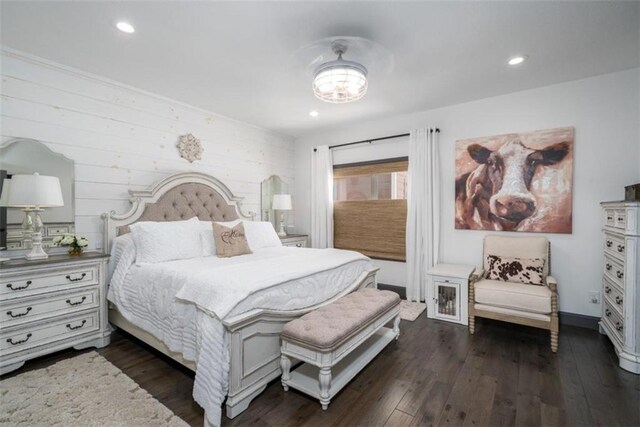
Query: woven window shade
x=371 y=169
x=375 y=228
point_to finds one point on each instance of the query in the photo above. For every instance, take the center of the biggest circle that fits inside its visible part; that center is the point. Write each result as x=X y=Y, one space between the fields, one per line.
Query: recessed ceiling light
x=314 y=113
x=516 y=60
x=125 y=27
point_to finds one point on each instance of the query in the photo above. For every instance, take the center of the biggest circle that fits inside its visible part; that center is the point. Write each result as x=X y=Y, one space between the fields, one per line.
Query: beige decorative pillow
x=230 y=241
x=528 y=271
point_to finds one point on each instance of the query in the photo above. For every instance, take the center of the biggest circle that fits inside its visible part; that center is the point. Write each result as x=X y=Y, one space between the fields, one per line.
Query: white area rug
x=85 y=390
x=410 y=310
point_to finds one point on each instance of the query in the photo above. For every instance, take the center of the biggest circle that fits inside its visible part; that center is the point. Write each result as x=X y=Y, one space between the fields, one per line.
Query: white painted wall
x=605 y=112
x=122 y=138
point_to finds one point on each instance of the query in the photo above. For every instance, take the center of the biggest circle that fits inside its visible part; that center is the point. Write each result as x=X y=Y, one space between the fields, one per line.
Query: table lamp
x=35 y=192
x=281 y=202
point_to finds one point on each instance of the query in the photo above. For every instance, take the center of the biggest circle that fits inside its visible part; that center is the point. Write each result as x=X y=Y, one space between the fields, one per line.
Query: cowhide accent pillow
x=522 y=270
x=230 y=241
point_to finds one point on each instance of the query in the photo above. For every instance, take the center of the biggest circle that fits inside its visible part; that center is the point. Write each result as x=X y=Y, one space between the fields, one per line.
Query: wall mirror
x=26 y=156
x=269 y=187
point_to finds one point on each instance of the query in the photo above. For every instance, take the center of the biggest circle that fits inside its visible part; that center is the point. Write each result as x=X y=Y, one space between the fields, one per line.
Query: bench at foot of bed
x=337 y=341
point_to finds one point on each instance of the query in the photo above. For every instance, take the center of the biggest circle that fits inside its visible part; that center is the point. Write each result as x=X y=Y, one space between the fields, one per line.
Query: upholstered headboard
x=178 y=197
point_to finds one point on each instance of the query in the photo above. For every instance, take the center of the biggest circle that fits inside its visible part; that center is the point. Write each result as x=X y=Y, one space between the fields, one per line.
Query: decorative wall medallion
x=190 y=147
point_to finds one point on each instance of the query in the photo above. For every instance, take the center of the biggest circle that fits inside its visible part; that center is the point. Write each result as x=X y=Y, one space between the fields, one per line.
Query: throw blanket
x=218 y=289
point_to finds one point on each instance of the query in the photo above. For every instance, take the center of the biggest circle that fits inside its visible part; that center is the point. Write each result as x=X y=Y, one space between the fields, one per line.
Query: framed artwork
x=516 y=182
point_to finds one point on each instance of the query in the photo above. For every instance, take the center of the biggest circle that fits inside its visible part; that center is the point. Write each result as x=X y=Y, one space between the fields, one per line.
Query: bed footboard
x=255 y=347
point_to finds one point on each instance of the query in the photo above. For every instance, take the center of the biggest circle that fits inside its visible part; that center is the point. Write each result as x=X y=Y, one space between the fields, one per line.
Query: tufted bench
x=340 y=339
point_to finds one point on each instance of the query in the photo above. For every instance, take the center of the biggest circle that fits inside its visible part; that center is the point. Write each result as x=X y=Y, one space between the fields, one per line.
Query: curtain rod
x=364 y=141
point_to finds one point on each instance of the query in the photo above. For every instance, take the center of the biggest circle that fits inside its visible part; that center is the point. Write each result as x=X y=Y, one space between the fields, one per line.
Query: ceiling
x=237 y=58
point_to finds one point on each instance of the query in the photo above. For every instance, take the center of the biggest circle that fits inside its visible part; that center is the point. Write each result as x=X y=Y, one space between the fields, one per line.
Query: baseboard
x=568 y=319
x=400 y=290
x=579 y=320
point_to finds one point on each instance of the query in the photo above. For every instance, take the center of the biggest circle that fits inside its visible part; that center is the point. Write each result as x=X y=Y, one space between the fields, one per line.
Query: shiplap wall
x=123 y=138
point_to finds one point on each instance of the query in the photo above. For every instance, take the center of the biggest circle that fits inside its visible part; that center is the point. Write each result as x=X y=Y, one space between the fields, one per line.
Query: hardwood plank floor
x=435 y=374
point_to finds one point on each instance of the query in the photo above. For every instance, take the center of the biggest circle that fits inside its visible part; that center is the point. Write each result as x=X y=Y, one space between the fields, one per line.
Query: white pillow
x=206 y=235
x=261 y=234
x=166 y=241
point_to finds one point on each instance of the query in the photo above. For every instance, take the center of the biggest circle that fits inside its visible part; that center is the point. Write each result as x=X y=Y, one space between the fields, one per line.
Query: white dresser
x=51 y=304
x=296 y=240
x=621 y=281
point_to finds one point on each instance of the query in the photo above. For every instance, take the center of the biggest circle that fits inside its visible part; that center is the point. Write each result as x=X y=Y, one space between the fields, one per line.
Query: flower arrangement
x=75 y=242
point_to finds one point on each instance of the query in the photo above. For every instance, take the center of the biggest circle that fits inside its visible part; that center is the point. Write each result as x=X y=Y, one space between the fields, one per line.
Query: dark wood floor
x=436 y=374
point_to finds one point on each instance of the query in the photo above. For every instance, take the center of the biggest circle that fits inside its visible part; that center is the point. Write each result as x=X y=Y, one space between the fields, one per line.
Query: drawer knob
x=608 y=267
x=76 y=327
x=299 y=245
x=619 y=274
x=12 y=342
x=76 y=279
x=620 y=248
x=609 y=243
x=607 y=312
x=619 y=326
x=19 y=288
x=607 y=290
x=10 y=313
x=77 y=302
x=618 y=300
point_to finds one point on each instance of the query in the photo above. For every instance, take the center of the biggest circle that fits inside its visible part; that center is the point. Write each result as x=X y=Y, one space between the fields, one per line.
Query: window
x=370 y=208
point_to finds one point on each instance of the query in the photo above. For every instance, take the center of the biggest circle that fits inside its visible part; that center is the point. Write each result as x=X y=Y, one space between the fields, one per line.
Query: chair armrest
x=552 y=284
x=478 y=274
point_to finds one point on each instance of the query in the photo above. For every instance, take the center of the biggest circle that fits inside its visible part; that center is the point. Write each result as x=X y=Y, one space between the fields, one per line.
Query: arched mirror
x=26 y=156
x=269 y=188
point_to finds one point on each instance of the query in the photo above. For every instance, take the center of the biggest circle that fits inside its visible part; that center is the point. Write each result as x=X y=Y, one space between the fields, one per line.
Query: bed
x=250 y=331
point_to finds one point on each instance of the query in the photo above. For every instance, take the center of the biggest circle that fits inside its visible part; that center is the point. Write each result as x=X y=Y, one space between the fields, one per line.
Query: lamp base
x=37 y=252
x=281 y=231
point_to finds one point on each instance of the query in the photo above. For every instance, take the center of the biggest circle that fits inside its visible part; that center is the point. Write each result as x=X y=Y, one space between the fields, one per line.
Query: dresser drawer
x=35 y=283
x=610 y=217
x=614 y=321
x=45 y=333
x=15 y=313
x=614 y=270
x=614 y=297
x=614 y=245
x=620 y=219
x=296 y=243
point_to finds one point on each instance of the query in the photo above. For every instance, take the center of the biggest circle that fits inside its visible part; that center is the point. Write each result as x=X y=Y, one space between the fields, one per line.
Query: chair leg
x=554 y=341
x=472 y=324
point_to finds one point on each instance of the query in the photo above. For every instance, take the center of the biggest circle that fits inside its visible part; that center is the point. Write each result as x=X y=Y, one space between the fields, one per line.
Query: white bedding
x=146 y=296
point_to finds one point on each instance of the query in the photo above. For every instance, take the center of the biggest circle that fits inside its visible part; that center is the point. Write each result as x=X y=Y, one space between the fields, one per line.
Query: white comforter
x=183 y=302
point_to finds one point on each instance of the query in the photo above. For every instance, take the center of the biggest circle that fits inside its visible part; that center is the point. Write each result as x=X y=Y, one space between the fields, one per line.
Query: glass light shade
x=282 y=202
x=340 y=81
x=35 y=190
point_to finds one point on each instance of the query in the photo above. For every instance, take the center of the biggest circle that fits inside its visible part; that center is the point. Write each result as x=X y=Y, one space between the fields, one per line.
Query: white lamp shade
x=35 y=190
x=282 y=202
x=4 y=193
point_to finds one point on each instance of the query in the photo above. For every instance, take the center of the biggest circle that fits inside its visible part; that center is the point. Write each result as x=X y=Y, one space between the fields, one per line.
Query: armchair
x=529 y=305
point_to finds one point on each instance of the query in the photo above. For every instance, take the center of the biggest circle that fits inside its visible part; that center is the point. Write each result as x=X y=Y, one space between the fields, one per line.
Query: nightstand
x=297 y=240
x=447 y=293
x=51 y=304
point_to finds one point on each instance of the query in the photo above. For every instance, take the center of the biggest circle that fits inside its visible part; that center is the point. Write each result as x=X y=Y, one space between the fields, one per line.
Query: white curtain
x=322 y=198
x=423 y=210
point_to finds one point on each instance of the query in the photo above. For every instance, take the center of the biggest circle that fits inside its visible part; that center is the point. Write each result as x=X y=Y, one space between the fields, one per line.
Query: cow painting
x=516 y=182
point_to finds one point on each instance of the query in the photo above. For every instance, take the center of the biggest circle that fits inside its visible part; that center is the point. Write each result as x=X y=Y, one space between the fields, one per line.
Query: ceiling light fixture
x=314 y=113
x=340 y=81
x=517 y=60
x=125 y=27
